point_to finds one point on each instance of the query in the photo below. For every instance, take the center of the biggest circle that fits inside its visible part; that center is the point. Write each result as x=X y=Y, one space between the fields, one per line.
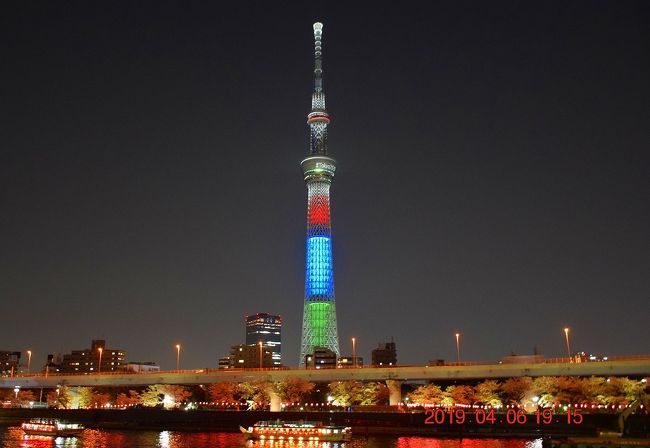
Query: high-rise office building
x=266 y=328
x=319 y=328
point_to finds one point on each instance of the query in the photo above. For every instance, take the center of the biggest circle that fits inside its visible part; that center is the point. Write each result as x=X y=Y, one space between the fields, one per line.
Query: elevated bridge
x=637 y=366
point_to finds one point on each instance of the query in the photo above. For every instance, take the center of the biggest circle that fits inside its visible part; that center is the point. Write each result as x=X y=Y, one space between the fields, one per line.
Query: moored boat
x=51 y=427
x=300 y=430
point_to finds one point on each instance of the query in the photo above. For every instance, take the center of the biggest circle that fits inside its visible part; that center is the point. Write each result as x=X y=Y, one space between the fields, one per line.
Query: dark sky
x=493 y=175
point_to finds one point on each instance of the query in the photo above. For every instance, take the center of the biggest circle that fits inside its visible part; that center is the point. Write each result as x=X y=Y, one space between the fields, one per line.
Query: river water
x=13 y=437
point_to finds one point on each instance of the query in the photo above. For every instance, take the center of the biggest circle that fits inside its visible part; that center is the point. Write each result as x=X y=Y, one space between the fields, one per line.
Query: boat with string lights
x=297 y=431
x=51 y=427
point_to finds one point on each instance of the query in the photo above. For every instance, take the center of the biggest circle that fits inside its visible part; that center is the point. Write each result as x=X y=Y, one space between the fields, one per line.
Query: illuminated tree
x=569 y=390
x=175 y=395
x=22 y=398
x=59 y=398
x=487 y=392
x=294 y=388
x=545 y=389
x=347 y=393
x=344 y=393
x=622 y=391
x=99 y=400
x=427 y=394
x=131 y=399
x=374 y=393
x=594 y=389
x=632 y=389
x=514 y=390
x=81 y=397
x=168 y=395
x=459 y=394
x=562 y=389
x=151 y=396
x=223 y=391
x=255 y=391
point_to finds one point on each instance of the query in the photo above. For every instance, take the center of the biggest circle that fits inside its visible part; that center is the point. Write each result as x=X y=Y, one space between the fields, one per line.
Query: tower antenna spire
x=318 y=54
x=318 y=118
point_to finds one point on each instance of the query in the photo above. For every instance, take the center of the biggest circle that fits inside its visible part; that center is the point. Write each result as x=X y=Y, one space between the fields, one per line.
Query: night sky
x=493 y=175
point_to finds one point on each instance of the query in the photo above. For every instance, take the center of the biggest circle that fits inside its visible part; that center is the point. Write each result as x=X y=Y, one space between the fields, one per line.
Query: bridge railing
x=151 y=372
x=234 y=371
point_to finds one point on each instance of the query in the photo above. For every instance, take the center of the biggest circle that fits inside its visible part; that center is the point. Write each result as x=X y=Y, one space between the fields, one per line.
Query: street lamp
x=568 y=345
x=29 y=360
x=178 y=356
x=458 y=347
x=354 y=352
x=260 y=344
x=16 y=390
x=99 y=367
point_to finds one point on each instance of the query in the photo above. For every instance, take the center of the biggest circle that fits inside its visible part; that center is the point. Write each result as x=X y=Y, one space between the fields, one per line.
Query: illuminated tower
x=319 y=317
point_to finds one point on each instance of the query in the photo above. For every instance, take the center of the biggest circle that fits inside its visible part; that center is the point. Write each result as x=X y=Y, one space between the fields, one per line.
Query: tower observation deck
x=319 y=328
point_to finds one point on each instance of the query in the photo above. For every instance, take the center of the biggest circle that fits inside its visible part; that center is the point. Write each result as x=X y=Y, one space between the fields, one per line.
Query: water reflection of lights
x=537 y=443
x=164 y=439
x=18 y=439
x=65 y=441
x=35 y=441
x=14 y=438
x=169 y=439
x=425 y=442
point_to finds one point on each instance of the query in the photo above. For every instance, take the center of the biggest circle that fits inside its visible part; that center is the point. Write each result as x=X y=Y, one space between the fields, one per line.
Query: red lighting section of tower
x=319 y=211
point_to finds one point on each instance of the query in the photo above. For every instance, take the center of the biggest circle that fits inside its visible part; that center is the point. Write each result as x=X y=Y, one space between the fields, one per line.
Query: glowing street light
x=458 y=347
x=261 y=345
x=178 y=356
x=568 y=345
x=101 y=352
x=354 y=352
x=16 y=390
x=29 y=360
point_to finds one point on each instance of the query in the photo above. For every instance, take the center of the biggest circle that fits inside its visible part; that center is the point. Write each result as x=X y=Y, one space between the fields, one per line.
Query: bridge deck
x=629 y=367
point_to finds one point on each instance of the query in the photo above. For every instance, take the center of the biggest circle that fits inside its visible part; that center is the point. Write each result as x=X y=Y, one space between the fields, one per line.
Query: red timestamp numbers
x=482 y=417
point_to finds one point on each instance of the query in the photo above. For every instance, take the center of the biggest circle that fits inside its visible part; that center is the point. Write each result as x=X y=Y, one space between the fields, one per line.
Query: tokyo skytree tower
x=319 y=327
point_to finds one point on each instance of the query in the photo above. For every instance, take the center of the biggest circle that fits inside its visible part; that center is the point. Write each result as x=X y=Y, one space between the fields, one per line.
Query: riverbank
x=363 y=423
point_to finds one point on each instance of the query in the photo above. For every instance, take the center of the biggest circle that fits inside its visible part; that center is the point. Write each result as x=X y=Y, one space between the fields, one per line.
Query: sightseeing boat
x=51 y=427
x=301 y=430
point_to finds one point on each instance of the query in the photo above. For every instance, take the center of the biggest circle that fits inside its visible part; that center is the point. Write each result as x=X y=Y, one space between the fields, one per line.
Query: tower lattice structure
x=319 y=328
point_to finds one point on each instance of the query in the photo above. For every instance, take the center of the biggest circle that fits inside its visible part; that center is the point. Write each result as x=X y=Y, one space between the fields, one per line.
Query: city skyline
x=493 y=158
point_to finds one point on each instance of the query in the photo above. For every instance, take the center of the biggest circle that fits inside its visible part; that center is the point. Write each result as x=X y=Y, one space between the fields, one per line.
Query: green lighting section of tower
x=319 y=315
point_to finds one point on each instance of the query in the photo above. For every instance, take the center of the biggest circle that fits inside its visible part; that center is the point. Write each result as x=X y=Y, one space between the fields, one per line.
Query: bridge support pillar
x=395 y=392
x=276 y=402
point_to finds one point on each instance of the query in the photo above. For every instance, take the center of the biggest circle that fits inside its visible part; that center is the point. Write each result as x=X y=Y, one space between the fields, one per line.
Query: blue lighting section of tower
x=319 y=276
